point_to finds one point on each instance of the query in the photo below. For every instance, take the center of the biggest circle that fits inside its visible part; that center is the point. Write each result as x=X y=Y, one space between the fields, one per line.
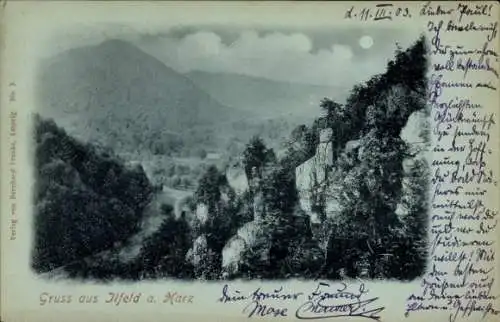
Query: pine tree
x=256 y=156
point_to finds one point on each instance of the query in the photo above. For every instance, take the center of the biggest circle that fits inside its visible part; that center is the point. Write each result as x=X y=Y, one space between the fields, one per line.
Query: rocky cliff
x=414 y=134
x=318 y=184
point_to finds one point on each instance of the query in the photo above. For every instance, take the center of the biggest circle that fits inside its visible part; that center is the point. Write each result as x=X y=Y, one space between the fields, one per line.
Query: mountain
x=114 y=91
x=267 y=97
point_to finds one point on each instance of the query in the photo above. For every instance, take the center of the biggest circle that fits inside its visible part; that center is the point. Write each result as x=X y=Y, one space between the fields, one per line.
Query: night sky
x=332 y=56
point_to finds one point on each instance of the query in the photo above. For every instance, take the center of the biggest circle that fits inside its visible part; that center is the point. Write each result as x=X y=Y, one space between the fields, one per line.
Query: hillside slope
x=85 y=200
x=267 y=97
x=120 y=96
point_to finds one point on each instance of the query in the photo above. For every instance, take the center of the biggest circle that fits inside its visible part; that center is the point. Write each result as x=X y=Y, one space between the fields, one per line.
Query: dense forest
x=86 y=200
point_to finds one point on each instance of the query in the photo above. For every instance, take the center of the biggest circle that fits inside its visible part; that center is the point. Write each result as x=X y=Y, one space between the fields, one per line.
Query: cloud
x=316 y=56
x=276 y=55
x=273 y=55
x=275 y=43
x=200 y=44
x=342 y=52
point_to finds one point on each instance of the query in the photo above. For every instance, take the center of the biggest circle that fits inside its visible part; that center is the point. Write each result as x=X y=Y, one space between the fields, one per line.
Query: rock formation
x=312 y=180
x=414 y=134
x=237 y=179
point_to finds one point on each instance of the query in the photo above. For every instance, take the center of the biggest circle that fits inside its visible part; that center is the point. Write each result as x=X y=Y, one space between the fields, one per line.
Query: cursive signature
x=323 y=304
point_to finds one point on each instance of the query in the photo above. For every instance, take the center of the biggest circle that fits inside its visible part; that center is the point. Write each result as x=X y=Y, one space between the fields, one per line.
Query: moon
x=366 y=42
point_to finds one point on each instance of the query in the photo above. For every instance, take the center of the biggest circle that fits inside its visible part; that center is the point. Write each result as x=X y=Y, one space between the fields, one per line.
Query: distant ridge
x=264 y=95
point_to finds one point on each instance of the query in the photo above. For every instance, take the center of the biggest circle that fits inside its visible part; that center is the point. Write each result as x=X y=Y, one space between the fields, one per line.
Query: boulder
x=198 y=251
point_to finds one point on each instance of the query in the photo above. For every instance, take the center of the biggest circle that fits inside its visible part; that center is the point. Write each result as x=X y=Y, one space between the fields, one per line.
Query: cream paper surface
x=28 y=27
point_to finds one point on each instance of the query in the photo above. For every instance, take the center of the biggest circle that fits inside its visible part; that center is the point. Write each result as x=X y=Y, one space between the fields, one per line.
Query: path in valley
x=153 y=219
x=150 y=223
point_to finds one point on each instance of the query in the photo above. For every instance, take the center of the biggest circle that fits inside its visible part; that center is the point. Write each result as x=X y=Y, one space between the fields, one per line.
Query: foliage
x=85 y=200
x=222 y=220
x=302 y=145
x=163 y=254
x=256 y=156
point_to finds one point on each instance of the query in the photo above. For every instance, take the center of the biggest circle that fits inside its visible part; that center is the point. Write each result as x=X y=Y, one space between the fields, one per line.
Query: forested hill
x=85 y=200
x=120 y=96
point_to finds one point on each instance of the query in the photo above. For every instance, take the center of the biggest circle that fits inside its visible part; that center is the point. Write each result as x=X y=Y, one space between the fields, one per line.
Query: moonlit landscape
x=218 y=152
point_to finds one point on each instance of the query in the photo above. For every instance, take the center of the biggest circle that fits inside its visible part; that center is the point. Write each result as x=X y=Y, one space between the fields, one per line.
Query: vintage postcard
x=235 y=161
